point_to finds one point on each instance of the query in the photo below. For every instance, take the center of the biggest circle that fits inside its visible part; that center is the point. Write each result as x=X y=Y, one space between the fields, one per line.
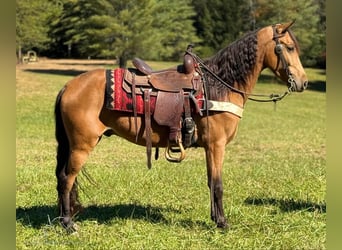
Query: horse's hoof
x=72 y=229
x=223 y=225
x=69 y=226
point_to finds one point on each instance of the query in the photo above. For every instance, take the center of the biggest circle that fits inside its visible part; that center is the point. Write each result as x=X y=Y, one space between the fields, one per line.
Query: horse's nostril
x=305 y=84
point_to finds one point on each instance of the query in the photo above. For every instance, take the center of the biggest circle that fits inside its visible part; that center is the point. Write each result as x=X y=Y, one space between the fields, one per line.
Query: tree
x=153 y=29
x=321 y=46
x=124 y=30
x=308 y=27
x=220 y=22
x=32 y=27
x=175 y=30
x=68 y=30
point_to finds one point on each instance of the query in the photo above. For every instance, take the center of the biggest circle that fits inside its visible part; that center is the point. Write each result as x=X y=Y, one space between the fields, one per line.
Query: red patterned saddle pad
x=116 y=98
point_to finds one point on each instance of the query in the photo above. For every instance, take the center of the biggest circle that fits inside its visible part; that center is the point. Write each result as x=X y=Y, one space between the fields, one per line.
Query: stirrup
x=179 y=149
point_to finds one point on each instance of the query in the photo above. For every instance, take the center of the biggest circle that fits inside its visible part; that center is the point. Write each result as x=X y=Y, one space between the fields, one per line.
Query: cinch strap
x=224 y=106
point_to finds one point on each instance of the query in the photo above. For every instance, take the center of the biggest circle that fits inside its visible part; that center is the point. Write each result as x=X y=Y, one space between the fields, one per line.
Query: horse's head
x=282 y=57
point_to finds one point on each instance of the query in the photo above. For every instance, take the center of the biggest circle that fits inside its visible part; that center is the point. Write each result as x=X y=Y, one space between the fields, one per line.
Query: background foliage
x=159 y=29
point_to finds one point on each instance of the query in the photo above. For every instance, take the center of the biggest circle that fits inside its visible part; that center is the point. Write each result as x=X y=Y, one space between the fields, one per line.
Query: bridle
x=279 y=52
x=261 y=97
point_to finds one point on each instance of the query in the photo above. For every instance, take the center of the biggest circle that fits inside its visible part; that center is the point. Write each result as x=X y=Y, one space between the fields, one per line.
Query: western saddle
x=175 y=89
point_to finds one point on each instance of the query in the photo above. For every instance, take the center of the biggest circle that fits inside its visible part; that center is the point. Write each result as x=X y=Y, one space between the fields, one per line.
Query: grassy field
x=274 y=180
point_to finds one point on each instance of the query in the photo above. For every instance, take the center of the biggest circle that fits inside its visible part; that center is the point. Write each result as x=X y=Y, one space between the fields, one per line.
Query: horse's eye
x=290 y=48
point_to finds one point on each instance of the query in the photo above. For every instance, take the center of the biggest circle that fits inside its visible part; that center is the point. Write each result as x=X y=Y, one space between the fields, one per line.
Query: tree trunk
x=20 y=57
x=123 y=61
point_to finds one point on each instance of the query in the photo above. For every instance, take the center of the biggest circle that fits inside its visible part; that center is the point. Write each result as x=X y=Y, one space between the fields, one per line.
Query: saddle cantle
x=188 y=66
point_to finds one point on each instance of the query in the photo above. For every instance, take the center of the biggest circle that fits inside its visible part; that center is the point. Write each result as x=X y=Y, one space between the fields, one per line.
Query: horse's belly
x=126 y=126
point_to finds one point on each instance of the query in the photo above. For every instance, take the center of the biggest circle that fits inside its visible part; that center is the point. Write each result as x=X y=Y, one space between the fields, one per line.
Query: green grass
x=274 y=181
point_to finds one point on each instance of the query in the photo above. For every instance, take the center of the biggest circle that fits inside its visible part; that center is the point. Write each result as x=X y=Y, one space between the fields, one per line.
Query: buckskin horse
x=199 y=102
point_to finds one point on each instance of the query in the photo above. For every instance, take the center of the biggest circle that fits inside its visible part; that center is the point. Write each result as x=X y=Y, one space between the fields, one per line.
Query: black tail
x=62 y=139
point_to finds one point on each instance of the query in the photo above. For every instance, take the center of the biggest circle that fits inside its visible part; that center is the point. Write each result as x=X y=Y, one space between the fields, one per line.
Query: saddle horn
x=171 y=158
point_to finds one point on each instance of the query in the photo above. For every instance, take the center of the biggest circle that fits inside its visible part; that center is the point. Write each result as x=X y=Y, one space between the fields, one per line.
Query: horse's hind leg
x=81 y=144
x=67 y=188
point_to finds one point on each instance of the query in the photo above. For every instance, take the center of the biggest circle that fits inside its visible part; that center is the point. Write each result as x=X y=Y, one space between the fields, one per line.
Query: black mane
x=232 y=64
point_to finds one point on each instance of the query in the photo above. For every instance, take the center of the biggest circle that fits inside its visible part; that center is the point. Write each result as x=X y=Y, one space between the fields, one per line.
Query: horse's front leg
x=214 y=160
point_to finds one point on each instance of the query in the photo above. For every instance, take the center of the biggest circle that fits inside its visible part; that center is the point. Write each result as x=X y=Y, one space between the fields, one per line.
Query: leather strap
x=147 y=93
x=223 y=106
x=134 y=102
x=188 y=122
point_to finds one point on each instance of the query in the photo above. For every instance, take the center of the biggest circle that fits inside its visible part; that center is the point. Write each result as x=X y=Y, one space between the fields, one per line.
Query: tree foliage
x=114 y=28
x=32 y=23
x=220 y=22
x=308 y=26
x=160 y=29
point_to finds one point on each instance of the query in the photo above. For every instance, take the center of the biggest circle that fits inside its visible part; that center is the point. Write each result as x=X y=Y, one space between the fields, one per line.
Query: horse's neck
x=251 y=80
x=259 y=66
x=253 y=77
x=264 y=37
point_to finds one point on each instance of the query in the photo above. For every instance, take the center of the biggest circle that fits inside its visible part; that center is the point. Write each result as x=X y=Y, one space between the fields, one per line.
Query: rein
x=261 y=97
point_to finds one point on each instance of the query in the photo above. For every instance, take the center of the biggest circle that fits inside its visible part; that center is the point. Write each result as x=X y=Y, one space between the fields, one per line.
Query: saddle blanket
x=116 y=98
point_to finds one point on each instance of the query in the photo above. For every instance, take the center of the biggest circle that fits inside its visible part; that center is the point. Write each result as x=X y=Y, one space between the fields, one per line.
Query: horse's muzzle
x=299 y=85
x=302 y=87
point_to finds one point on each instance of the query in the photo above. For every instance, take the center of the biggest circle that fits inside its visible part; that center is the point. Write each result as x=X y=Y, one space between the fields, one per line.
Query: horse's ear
x=282 y=28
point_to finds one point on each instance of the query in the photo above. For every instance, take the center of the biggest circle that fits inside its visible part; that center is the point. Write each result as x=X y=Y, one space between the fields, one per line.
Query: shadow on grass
x=64 y=72
x=317 y=86
x=288 y=205
x=100 y=64
x=38 y=216
x=268 y=79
